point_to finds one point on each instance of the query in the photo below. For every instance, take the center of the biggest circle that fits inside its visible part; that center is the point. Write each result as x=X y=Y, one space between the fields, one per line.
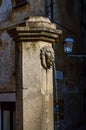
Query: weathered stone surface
x=34 y=82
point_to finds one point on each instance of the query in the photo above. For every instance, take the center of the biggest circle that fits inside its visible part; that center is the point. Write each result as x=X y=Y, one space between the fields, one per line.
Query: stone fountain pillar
x=34 y=75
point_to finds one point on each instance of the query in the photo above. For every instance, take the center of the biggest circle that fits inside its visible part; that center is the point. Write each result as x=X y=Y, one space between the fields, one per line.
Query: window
x=8 y=121
x=20 y=2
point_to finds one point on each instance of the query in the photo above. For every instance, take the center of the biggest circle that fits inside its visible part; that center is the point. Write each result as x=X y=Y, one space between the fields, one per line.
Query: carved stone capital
x=36 y=28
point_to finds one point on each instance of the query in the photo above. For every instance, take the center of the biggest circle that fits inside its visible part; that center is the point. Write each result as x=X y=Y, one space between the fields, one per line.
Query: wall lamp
x=68 y=41
x=68 y=48
x=68 y=45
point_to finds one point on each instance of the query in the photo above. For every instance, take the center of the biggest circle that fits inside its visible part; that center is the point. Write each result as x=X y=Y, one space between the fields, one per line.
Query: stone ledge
x=7 y=88
x=36 y=28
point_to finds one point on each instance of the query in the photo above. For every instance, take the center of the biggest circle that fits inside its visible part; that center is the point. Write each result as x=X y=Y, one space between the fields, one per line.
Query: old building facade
x=70 y=17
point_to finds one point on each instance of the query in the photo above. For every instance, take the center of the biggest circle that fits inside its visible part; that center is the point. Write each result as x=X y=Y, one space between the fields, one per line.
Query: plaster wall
x=10 y=16
x=5 y=9
x=7 y=61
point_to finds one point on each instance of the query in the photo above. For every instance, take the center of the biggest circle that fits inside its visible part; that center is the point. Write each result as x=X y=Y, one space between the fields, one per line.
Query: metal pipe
x=46 y=8
x=51 y=5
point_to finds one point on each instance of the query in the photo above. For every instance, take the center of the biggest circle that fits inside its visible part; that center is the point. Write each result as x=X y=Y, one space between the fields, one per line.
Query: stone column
x=34 y=77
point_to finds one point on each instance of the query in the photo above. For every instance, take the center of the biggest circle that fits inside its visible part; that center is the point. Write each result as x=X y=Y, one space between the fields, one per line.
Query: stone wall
x=7 y=62
x=10 y=16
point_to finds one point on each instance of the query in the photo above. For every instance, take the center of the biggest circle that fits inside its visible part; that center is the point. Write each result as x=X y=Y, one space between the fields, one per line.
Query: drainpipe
x=49 y=9
x=51 y=5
